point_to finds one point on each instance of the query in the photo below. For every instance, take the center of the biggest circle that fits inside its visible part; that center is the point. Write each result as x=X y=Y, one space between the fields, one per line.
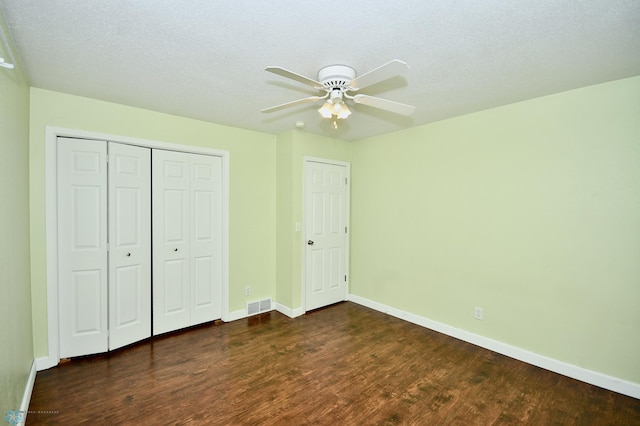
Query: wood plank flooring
x=342 y=365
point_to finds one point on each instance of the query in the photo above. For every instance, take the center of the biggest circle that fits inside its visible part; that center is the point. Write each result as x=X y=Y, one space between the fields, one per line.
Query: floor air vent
x=258 y=307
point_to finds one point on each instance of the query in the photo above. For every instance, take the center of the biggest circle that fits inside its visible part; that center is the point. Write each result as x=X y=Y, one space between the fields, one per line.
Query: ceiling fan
x=340 y=83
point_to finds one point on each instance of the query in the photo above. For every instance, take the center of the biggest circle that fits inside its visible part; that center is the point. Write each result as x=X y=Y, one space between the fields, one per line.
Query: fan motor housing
x=336 y=76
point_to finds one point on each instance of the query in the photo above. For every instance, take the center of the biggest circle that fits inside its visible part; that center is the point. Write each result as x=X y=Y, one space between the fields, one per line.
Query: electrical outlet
x=247 y=291
x=477 y=313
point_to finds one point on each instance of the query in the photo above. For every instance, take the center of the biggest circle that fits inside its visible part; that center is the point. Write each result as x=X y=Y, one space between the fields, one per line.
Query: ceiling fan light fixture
x=343 y=111
x=326 y=110
x=337 y=109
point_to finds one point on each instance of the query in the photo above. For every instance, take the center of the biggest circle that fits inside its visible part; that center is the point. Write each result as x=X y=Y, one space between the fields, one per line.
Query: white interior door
x=171 y=257
x=206 y=238
x=82 y=246
x=326 y=231
x=129 y=244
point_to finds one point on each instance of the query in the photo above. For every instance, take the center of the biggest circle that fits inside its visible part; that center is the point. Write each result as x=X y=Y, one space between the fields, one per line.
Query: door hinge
x=345 y=229
x=345 y=278
x=108 y=248
x=346 y=182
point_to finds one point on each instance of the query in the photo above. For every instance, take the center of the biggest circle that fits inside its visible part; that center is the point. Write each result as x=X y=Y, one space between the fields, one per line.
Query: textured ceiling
x=205 y=59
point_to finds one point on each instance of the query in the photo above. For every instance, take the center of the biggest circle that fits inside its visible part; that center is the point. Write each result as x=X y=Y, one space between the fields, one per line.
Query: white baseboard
x=235 y=315
x=26 y=396
x=46 y=362
x=291 y=313
x=594 y=378
x=285 y=310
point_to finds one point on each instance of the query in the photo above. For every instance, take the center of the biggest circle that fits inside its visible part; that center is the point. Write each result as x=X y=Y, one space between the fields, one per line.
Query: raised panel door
x=130 y=244
x=326 y=234
x=206 y=238
x=171 y=245
x=82 y=246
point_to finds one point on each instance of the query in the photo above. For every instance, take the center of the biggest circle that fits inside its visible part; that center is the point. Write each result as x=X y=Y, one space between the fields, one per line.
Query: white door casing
x=82 y=246
x=129 y=244
x=326 y=208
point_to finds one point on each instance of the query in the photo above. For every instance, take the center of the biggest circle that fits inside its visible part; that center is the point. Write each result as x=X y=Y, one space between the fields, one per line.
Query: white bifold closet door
x=187 y=239
x=129 y=244
x=104 y=245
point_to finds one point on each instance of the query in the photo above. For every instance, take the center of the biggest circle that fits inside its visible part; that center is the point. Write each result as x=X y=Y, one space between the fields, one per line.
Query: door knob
x=128 y=254
x=310 y=242
x=175 y=249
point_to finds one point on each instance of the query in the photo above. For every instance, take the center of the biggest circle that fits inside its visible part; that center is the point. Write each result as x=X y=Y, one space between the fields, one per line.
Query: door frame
x=51 y=220
x=303 y=242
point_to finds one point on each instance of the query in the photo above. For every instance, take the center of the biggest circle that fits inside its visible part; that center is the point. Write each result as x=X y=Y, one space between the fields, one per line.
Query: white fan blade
x=293 y=103
x=383 y=72
x=6 y=64
x=387 y=105
x=294 y=76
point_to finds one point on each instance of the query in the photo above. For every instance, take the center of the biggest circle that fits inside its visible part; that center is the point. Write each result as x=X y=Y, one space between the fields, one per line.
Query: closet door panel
x=171 y=247
x=130 y=244
x=206 y=237
x=82 y=246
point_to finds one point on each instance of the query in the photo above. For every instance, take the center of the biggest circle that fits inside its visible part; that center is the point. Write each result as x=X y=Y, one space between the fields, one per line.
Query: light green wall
x=292 y=147
x=285 y=225
x=252 y=186
x=16 y=339
x=530 y=211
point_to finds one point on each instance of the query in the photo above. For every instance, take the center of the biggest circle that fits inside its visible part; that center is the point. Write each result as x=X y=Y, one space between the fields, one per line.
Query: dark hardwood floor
x=342 y=365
